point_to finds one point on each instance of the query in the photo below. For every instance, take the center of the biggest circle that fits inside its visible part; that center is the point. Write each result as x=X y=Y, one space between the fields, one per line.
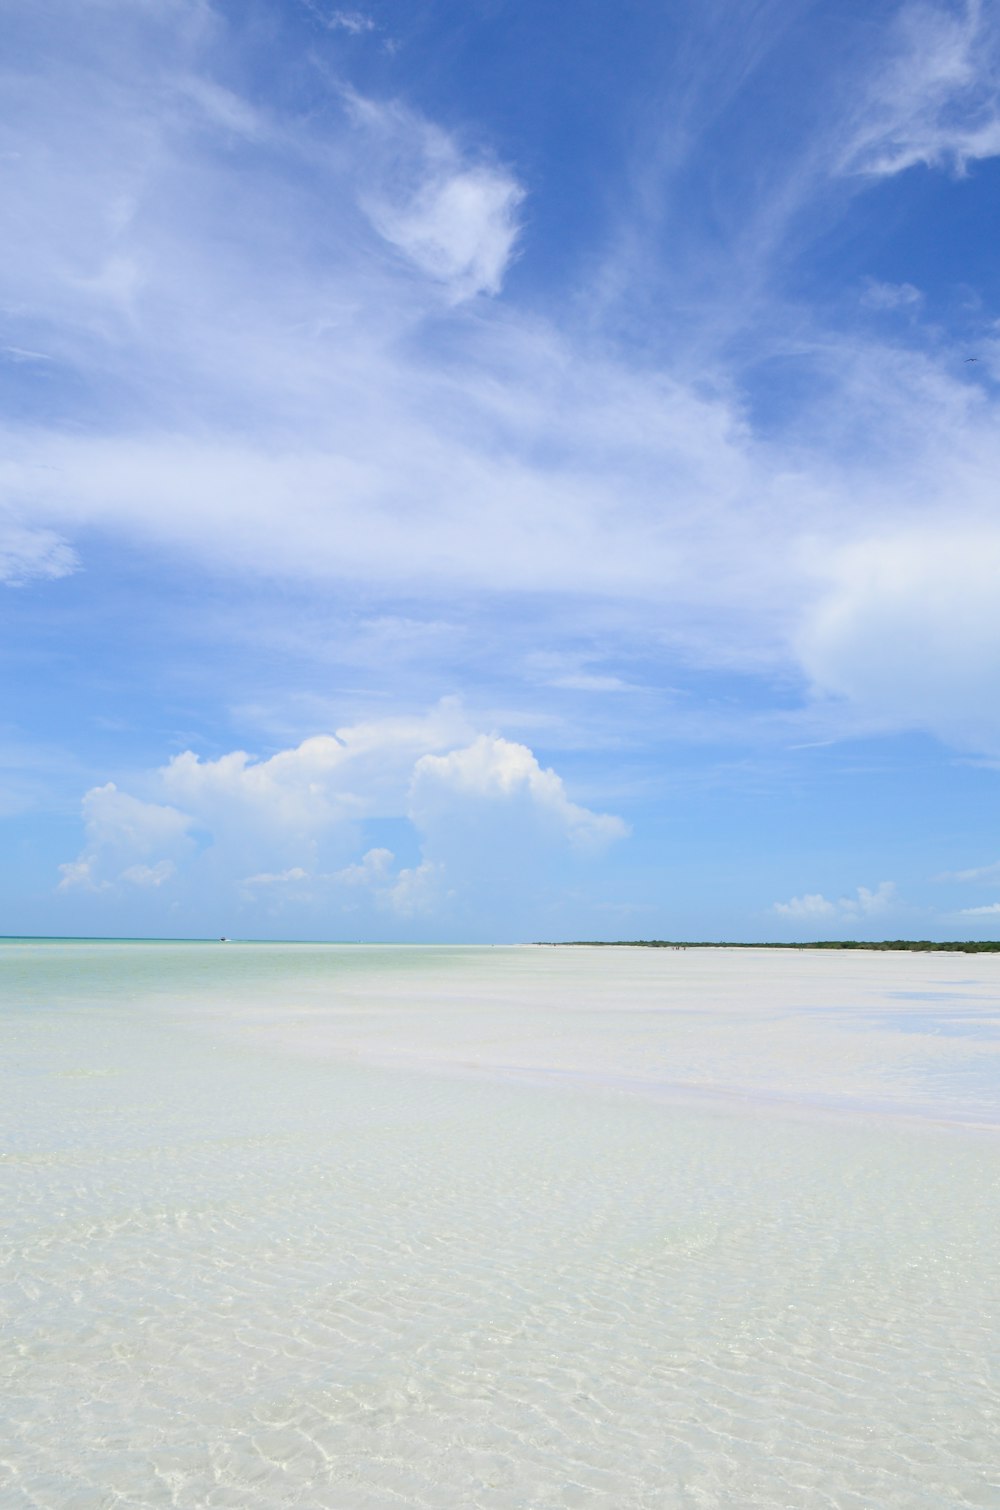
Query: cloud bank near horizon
x=300 y=815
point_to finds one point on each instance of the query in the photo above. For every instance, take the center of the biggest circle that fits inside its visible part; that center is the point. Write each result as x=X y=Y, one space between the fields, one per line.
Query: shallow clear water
x=498 y=1228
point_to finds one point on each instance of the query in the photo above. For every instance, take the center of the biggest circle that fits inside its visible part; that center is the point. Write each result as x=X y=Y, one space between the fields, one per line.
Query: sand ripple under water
x=239 y=1270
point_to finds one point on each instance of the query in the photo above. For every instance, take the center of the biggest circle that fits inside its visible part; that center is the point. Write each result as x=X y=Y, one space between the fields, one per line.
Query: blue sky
x=500 y=470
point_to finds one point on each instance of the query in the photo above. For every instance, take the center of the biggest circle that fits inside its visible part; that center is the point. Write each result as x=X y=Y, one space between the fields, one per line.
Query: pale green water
x=281 y=1229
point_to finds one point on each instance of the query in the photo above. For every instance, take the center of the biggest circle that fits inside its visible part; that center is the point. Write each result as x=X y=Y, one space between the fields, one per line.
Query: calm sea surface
x=367 y=1227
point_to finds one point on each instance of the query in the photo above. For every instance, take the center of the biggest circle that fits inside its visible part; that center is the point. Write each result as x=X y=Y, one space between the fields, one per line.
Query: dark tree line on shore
x=913 y=946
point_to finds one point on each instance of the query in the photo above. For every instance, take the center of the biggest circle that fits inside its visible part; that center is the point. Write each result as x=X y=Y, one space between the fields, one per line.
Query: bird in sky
x=972 y=359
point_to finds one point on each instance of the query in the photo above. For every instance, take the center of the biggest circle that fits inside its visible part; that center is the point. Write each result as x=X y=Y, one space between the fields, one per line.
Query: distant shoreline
x=912 y=946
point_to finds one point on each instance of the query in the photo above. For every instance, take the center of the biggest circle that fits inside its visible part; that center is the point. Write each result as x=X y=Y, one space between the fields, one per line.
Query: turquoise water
x=498 y=1228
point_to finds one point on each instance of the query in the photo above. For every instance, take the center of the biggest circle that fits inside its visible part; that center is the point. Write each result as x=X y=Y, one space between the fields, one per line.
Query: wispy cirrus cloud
x=453 y=214
x=518 y=457
x=976 y=873
x=402 y=891
x=27 y=553
x=891 y=296
x=354 y=21
x=936 y=99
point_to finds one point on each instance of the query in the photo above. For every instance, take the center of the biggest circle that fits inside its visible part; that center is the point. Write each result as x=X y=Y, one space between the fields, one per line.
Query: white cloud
x=393 y=499
x=811 y=905
x=353 y=21
x=149 y=875
x=453 y=215
x=374 y=868
x=222 y=108
x=329 y=780
x=878 y=295
x=591 y=681
x=909 y=631
x=976 y=873
x=459 y=226
x=496 y=771
x=80 y=873
x=127 y=840
x=407 y=892
x=573 y=673
x=991 y=910
x=866 y=903
x=277 y=878
x=937 y=101
x=27 y=553
x=407 y=473
x=416 y=891
x=531 y=458
x=305 y=805
x=455 y=218
x=18 y=355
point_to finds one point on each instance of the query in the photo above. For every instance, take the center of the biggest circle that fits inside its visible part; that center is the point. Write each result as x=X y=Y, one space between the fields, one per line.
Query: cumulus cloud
x=326 y=781
x=81 y=873
x=992 y=909
x=476 y=807
x=811 y=905
x=865 y=904
x=128 y=841
x=373 y=869
x=416 y=891
x=495 y=772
